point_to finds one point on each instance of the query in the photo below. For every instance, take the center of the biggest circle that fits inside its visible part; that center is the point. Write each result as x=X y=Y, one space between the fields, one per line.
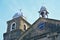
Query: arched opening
x=24 y=27
x=13 y=26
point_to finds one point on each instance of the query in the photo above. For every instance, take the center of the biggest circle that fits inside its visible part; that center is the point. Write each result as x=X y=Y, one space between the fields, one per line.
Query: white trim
x=11 y=26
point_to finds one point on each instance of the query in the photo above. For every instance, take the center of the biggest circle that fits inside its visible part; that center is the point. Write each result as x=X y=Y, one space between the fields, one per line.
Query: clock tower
x=16 y=27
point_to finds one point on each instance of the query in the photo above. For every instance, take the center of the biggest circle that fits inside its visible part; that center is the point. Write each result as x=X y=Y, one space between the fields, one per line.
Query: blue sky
x=29 y=8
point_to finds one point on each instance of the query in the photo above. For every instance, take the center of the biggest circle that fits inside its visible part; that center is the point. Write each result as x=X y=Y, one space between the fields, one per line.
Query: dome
x=17 y=15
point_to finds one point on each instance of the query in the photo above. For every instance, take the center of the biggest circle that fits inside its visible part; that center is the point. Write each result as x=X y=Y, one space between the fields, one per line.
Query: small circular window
x=13 y=26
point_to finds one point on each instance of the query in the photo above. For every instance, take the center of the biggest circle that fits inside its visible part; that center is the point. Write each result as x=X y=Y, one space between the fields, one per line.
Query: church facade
x=42 y=29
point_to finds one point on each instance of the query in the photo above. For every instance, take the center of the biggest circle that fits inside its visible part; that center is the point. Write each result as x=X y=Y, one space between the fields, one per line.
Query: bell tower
x=16 y=27
x=43 y=12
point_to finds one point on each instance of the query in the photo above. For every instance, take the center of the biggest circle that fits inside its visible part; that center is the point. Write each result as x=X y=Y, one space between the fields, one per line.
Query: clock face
x=41 y=25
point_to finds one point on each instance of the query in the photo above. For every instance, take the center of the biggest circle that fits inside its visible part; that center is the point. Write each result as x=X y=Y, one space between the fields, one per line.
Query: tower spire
x=43 y=11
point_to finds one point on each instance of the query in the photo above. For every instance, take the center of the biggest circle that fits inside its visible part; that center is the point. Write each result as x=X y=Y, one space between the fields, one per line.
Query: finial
x=21 y=12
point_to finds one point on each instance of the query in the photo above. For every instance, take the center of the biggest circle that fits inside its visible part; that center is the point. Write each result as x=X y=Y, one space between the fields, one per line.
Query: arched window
x=13 y=26
x=24 y=27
